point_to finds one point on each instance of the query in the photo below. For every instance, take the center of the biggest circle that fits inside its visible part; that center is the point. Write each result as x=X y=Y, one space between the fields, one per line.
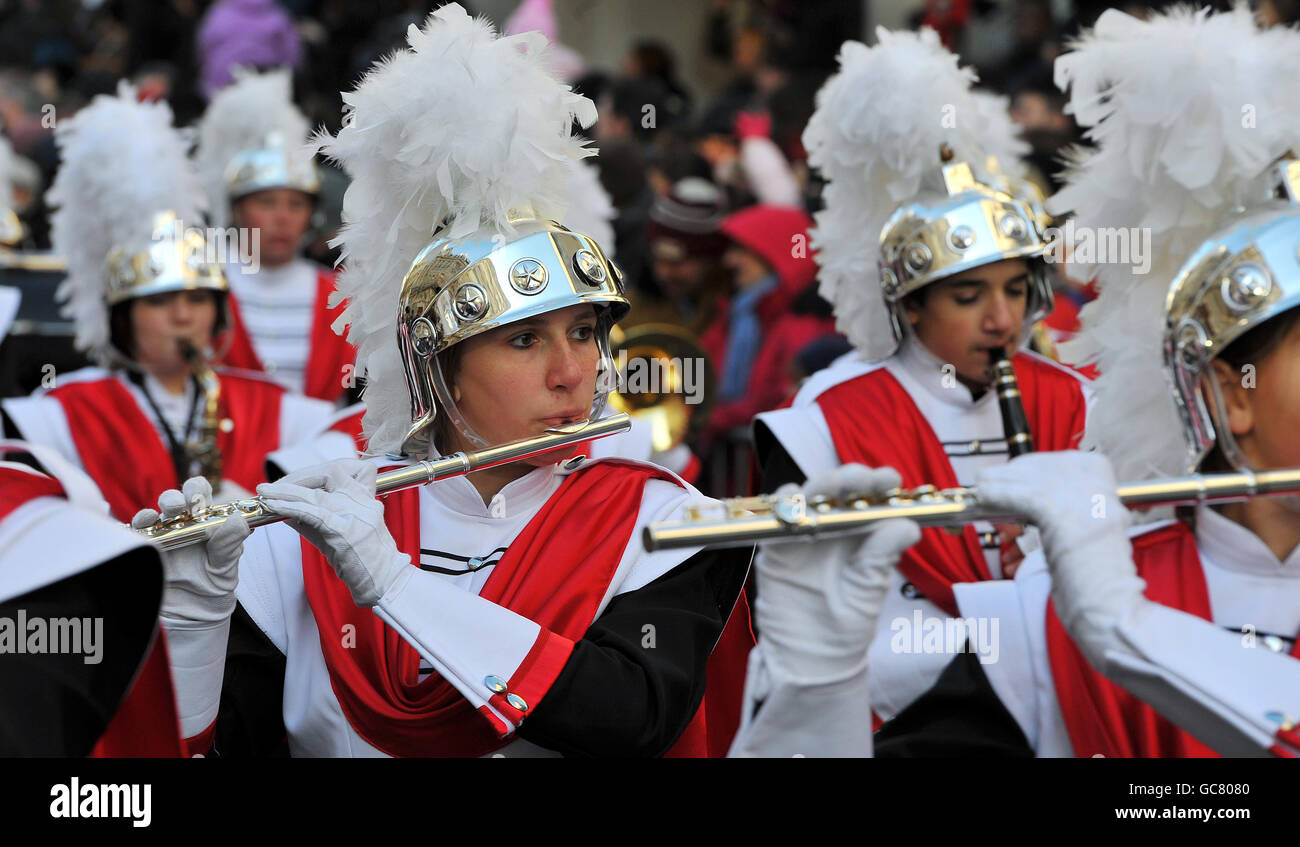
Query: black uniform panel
x=961 y=715
x=635 y=680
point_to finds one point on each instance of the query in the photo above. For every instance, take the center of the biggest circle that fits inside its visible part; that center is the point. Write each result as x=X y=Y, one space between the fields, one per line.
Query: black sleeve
x=961 y=715
x=251 y=717
x=635 y=680
x=59 y=703
x=776 y=468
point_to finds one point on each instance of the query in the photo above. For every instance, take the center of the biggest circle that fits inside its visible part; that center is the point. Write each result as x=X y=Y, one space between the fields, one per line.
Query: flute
x=747 y=520
x=191 y=527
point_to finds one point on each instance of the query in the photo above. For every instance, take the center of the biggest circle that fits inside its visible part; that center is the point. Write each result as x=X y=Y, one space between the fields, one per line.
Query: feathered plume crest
x=245 y=115
x=456 y=130
x=590 y=209
x=122 y=163
x=875 y=134
x=1185 y=111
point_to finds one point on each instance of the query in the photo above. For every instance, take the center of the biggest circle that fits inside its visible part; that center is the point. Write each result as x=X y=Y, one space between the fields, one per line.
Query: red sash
x=329 y=358
x=1103 y=718
x=122 y=452
x=145 y=723
x=18 y=487
x=874 y=421
x=555 y=573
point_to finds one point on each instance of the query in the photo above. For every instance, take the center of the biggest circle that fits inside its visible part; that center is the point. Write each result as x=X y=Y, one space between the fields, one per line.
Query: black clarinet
x=1015 y=424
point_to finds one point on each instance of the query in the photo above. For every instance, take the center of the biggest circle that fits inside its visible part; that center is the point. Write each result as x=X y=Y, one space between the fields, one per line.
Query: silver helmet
x=1242 y=276
x=455 y=290
x=954 y=225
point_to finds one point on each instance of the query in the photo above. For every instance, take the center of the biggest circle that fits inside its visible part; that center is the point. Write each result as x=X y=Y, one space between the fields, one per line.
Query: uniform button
x=1275 y=643
x=495 y=684
x=909 y=591
x=226 y=425
x=1283 y=720
x=517 y=702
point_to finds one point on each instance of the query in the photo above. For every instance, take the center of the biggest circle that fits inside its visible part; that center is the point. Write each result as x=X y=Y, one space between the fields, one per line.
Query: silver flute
x=192 y=527
x=743 y=521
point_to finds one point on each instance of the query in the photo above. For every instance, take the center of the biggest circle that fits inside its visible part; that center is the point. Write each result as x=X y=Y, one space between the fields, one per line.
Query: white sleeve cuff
x=502 y=662
x=780 y=719
x=196 y=653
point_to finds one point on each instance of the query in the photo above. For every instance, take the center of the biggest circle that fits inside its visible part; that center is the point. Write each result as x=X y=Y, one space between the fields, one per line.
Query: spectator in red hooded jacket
x=755 y=336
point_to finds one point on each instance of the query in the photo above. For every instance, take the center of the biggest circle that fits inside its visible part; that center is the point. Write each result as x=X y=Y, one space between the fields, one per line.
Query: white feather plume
x=1184 y=111
x=122 y=162
x=457 y=129
x=877 y=130
x=243 y=116
x=590 y=209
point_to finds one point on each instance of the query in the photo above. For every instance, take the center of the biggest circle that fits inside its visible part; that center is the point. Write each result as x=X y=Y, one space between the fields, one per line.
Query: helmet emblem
x=470 y=302
x=528 y=276
x=589 y=268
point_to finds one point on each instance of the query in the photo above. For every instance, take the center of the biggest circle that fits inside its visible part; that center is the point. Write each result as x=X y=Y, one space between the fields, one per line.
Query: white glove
x=200 y=578
x=334 y=507
x=1070 y=496
x=818 y=600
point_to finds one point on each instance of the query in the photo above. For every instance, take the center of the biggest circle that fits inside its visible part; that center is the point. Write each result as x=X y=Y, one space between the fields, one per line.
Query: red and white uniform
x=1217 y=655
x=516 y=611
x=109 y=573
x=909 y=412
x=280 y=323
x=102 y=423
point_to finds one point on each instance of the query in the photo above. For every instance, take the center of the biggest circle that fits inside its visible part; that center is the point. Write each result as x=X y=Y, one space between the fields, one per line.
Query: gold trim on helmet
x=174 y=261
x=952 y=228
x=1236 y=280
x=455 y=290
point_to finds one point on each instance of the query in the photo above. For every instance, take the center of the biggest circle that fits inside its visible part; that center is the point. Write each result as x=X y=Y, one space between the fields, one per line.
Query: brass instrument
x=672 y=416
x=1015 y=424
x=747 y=520
x=206 y=451
x=191 y=527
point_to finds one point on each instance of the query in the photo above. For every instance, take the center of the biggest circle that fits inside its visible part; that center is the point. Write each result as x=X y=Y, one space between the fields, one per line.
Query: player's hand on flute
x=818 y=600
x=200 y=578
x=334 y=507
x=1070 y=496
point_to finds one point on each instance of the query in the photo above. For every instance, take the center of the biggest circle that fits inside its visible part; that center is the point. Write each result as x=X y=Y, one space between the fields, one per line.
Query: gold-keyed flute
x=747 y=520
x=191 y=527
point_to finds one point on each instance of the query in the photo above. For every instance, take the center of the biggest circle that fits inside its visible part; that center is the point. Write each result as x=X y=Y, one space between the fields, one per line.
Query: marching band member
x=514 y=610
x=146 y=305
x=961 y=272
x=83 y=669
x=259 y=176
x=1192 y=621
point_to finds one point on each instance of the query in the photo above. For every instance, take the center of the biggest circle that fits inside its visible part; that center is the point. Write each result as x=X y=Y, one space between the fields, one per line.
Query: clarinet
x=1015 y=424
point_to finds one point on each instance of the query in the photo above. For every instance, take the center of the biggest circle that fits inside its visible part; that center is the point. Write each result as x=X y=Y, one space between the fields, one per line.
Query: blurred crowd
x=712 y=194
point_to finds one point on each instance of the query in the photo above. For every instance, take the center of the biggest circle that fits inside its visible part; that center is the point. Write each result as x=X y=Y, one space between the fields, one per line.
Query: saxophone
x=205 y=451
